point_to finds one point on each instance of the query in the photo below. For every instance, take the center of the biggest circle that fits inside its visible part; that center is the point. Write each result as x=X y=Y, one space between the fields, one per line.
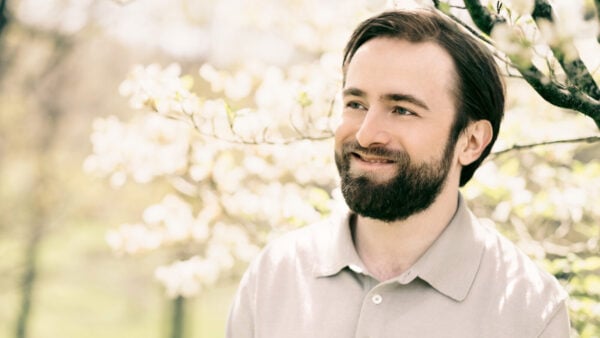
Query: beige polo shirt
x=471 y=282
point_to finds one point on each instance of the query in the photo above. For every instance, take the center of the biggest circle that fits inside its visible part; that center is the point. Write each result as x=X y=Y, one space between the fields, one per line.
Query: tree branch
x=559 y=95
x=566 y=53
x=553 y=92
x=517 y=147
x=257 y=140
x=597 y=4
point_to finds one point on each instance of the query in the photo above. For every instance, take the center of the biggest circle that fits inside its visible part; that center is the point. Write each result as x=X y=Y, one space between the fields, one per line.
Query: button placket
x=370 y=320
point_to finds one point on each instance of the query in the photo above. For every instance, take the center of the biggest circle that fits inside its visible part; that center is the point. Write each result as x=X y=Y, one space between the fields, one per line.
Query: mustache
x=393 y=155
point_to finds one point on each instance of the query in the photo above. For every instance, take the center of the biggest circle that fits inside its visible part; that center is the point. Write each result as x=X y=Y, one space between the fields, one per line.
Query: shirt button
x=377 y=299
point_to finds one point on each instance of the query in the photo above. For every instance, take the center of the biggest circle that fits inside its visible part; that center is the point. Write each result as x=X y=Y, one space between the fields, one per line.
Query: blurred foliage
x=225 y=149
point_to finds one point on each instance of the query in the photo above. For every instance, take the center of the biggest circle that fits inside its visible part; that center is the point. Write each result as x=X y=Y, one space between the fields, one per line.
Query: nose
x=373 y=130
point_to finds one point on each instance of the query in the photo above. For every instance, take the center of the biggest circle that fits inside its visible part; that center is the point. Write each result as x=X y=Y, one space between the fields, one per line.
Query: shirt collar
x=449 y=265
x=452 y=261
x=335 y=249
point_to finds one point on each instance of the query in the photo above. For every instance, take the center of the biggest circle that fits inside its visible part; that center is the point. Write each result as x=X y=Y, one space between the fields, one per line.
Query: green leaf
x=304 y=100
x=230 y=114
x=444 y=7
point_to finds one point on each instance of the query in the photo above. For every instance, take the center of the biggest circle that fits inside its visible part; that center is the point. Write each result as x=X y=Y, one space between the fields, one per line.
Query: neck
x=389 y=249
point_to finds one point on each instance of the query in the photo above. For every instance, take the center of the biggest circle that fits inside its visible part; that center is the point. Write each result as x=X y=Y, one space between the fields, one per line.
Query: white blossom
x=186 y=278
x=144 y=148
x=511 y=40
x=163 y=90
x=133 y=238
x=68 y=16
x=520 y=7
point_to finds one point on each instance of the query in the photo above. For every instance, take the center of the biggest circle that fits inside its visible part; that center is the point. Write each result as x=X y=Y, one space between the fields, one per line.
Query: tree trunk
x=28 y=280
x=178 y=317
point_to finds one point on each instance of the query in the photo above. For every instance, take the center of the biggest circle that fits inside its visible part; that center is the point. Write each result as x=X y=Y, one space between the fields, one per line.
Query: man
x=423 y=101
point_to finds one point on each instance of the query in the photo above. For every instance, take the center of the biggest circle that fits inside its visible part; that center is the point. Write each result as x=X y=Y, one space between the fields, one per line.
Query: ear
x=474 y=139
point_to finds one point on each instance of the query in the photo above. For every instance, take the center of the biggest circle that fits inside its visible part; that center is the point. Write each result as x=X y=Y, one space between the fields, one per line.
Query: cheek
x=344 y=131
x=338 y=142
x=422 y=144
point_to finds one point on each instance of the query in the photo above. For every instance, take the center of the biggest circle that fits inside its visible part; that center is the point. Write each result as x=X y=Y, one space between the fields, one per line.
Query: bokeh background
x=149 y=148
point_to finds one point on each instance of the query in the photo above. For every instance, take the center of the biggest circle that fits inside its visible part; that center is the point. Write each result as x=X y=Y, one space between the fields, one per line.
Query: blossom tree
x=245 y=142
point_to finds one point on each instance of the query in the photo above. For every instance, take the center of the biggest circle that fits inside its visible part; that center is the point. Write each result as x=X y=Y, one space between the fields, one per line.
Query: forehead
x=388 y=65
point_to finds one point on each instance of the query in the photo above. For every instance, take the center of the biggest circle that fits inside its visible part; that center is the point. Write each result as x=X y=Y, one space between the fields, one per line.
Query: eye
x=402 y=111
x=355 y=105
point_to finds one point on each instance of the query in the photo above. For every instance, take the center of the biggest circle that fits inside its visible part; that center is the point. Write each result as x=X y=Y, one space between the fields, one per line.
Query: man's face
x=392 y=148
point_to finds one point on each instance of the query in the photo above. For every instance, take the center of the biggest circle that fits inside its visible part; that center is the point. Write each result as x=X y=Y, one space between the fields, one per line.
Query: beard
x=412 y=189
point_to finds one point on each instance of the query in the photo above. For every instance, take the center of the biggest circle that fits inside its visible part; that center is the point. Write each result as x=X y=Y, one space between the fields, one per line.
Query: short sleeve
x=559 y=325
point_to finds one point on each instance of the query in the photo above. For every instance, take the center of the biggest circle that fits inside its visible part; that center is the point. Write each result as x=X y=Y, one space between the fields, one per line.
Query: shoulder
x=275 y=271
x=298 y=248
x=514 y=265
x=524 y=290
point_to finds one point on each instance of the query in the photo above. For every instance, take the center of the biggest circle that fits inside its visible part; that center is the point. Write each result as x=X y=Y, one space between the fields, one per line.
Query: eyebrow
x=352 y=91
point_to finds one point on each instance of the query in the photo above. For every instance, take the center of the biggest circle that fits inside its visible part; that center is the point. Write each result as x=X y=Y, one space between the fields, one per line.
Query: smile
x=372 y=160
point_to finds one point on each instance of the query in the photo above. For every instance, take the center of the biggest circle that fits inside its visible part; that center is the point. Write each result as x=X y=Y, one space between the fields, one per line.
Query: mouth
x=371 y=159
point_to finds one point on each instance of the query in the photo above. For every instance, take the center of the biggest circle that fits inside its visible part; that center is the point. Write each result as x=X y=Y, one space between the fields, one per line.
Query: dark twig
x=3 y=15
x=481 y=16
x=517 y=147
x=597 y=4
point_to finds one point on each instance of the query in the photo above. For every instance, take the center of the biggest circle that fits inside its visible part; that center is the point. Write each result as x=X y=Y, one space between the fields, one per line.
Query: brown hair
x=480 y=90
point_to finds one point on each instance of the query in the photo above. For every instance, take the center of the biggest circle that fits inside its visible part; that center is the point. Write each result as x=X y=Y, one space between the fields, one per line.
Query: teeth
x=376 y=161
x=373 y=160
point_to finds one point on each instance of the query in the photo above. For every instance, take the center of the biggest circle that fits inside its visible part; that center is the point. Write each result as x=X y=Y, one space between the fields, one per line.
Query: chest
x=352 y=305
